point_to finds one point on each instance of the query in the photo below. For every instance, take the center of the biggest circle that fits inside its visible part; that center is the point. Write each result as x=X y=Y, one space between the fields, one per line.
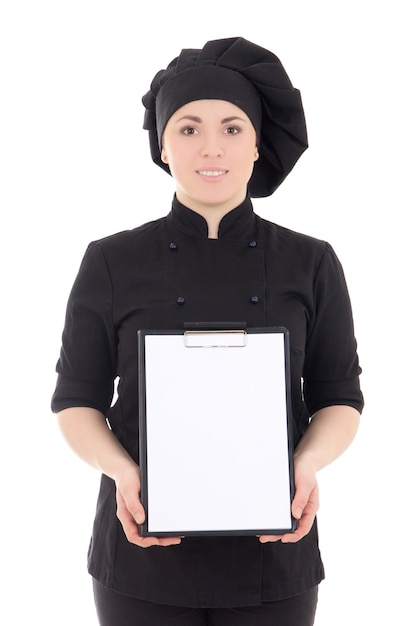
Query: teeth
x=212 y=172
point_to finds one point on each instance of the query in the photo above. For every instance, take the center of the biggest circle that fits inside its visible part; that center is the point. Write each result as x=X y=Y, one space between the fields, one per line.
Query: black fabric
x=115 y=609
x=282 y=137
x=133 y=280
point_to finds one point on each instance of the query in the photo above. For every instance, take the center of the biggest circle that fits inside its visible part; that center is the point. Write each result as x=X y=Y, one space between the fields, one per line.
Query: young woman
x=227 y=124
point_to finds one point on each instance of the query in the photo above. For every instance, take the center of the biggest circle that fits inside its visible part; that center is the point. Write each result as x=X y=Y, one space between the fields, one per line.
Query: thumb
x=300 y=501
x=129 y=500
x=135 y=508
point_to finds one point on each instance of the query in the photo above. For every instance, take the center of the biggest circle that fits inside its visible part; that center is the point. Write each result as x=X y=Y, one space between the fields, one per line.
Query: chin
x=219 y=197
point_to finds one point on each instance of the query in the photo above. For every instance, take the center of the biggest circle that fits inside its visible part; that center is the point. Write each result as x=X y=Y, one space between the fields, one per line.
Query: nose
x=211 y=147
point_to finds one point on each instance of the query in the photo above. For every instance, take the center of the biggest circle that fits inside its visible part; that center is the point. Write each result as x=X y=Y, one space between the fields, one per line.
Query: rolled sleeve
x=87 y=364
x=331 y=371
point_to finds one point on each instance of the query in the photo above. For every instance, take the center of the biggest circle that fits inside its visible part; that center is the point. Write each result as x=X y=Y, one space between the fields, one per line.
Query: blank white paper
x=217 y=440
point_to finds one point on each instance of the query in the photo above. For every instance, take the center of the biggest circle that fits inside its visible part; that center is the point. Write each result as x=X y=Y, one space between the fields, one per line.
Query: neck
x=213 y=225
x=213 y=214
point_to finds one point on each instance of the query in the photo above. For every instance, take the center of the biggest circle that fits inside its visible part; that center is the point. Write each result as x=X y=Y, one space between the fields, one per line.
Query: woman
x=227 y=124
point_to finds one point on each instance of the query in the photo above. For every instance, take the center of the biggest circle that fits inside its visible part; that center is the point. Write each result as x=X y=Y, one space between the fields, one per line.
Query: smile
x=211 y=172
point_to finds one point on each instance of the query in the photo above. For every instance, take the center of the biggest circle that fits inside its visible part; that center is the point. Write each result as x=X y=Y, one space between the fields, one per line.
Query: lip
x=212 y=173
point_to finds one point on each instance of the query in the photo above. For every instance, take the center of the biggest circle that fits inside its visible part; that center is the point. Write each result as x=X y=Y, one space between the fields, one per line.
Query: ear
x=164 y=158
x=256 y=154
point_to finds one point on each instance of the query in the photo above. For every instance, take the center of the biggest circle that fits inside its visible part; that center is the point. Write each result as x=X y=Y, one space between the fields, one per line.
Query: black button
x=180 y=300
x=252 y=244
x=173 y=246
x=254 y=299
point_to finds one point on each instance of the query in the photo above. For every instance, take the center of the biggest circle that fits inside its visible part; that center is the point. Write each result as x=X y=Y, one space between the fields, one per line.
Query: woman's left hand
x=304 y=506
x=330 y=432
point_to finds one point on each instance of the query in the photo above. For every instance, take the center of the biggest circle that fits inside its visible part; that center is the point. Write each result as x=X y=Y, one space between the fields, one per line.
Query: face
x=210 y=147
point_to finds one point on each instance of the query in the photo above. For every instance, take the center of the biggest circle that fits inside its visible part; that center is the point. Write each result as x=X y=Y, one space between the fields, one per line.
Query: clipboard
x=216 y=448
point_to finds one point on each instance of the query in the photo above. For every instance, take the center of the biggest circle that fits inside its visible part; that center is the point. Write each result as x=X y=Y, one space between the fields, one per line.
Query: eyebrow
x=198 y=120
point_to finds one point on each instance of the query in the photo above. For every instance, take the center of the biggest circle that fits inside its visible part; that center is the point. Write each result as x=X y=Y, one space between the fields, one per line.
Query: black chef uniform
x=161 y=275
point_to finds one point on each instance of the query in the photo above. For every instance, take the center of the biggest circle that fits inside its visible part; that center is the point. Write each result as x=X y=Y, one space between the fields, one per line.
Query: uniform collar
x=233 y=225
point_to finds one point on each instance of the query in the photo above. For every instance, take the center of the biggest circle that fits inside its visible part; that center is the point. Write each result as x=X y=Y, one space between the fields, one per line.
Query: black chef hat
x=250 y=77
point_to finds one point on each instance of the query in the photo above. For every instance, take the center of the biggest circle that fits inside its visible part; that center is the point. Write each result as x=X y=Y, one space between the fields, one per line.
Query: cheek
x=176 y=153
x=179 y=168
x=247 y=158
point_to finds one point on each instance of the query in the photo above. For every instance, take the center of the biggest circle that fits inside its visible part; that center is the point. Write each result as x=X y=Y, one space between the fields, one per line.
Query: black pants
x=115 y=609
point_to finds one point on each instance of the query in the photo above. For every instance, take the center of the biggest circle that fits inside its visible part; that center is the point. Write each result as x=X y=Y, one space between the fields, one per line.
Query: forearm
x=329 y=434
x=87 y=433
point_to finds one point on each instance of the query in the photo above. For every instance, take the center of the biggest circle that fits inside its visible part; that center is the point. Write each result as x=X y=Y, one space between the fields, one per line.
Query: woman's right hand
x=87 y=432
x=130 y=511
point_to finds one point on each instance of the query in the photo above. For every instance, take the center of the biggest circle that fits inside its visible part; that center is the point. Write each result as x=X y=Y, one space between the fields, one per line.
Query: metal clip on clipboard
x=215 y=338
x=215 y=334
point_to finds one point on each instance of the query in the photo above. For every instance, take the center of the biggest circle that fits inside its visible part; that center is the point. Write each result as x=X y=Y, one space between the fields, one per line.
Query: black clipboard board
x=216 y=448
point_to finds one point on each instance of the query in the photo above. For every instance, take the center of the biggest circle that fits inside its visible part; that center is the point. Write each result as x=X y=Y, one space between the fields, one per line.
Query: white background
x=75 y=166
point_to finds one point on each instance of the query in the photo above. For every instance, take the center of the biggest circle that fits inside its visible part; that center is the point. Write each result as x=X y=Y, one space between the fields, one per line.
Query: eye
x=232 y=130
x=189 y=130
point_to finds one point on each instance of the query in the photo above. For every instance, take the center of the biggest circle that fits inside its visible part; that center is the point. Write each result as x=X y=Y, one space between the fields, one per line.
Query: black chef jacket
x=161 y=275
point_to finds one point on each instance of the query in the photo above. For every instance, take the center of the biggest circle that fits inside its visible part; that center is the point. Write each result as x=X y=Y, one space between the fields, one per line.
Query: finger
x=131 y=527
x=132 y=533
x=134 y=507
x=169 y=541
x=131 y=503
x=269 y=538
x=306 y=500
x=147 y=542
x=137 y=512
x=303 y=528
x=129 y=523
x=300 y=501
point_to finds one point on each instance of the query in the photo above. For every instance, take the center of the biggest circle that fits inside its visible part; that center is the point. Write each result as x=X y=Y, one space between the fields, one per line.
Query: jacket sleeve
x=87 y=363
x=331 y=370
